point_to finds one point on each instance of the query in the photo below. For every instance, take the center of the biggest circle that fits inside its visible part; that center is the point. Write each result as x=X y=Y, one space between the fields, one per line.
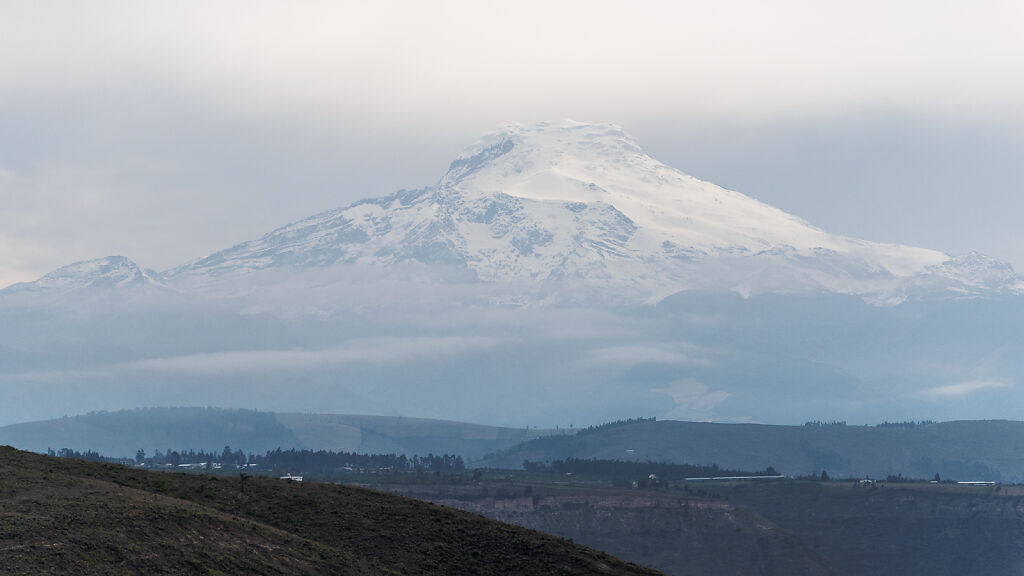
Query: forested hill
x=74 y=517
x=123 y=433
x=962 y=450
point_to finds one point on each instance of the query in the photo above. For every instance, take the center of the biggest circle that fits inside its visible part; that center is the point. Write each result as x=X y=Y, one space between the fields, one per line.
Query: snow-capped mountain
x=556 y=207
x=566 y=212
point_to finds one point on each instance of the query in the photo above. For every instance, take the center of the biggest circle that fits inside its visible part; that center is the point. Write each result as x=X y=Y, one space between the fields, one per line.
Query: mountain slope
x=63 y=516
x=554 y=208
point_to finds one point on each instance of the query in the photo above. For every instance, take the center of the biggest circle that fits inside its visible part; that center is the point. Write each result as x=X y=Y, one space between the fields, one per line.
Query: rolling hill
x=964 y=450
x=122 y=433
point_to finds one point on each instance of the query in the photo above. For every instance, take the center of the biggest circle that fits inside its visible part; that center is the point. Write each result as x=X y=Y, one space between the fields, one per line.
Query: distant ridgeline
x=973 y=450
x=124 y=432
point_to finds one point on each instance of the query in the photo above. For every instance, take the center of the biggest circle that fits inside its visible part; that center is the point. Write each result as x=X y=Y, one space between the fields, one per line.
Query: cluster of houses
x=213 y=466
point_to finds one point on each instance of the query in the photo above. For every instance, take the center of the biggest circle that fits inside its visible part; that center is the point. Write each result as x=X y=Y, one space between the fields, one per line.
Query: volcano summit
x=572 y=211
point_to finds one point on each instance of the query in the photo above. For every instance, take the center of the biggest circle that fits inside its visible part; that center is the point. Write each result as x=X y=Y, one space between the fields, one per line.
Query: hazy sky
x=165 y=131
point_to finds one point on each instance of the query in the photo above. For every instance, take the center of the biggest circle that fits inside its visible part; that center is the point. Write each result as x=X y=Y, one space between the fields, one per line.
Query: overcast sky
x=166 y=131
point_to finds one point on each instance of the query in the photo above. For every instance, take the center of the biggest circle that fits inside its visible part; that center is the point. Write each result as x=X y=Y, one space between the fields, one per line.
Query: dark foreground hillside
x=72 y=517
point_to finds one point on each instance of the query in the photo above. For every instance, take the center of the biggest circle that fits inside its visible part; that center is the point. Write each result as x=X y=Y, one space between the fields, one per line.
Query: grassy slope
x=969 y=450
x=66 y=516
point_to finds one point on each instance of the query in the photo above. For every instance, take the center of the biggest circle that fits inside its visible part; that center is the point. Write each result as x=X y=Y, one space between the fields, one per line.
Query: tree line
x=624 y=469
x=886 y=424
x=615 y=424
x=278 y=460
x=328 y=461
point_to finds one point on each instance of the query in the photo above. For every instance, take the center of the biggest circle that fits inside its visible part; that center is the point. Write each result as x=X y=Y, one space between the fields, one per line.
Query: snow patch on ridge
x=110 y=272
